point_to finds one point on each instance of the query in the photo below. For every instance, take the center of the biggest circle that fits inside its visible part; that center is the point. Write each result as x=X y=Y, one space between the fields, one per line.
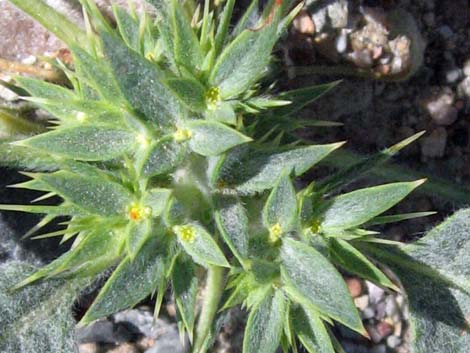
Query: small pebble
x=381 y=348
x=303 y=23
x=362 y=302
x=440 y=107
x=384 y=329
x=391 y=307
x=393 y=341
x=434 y=145
x=452 y=75
x=463 y=89
x=466 y=68
x=375 y=292
x=368 y=313
x=88 y=348
x=124 y=348
x=354 y=286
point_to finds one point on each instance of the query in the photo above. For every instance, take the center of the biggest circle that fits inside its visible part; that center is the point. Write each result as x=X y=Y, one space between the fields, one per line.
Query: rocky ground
x=406 y=68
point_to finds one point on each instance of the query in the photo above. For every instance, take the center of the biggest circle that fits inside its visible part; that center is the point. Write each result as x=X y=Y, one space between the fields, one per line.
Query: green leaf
x=43 y=89
x=190 y=92
x=232 y=222
x=157 y=199
x=131 y=282
x=348 y=174
x=223 y=113
x=211 y=138
x=88 y=143
x=185 y=287
x=258 y=171
x=358 y=207
x=438 y=310
x=311 y=280
x=141 y=82
x=352 y=260
x=281 y=205
x=311 y=331
x=95 y=195
x=129 y=27
x=137 y=235
x=163 y=156
x=200 y=245
x=91 y=254
x=398 y=218
x=245 y=60
x=301 y=97
x=37 y=319
x=188 y=52
x=265 y=323
x=224 y=23
x=98 y=75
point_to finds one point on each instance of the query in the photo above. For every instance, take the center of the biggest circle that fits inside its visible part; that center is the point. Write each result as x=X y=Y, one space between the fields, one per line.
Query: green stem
x=52 y=20
x=433 y=187
x=215 y=284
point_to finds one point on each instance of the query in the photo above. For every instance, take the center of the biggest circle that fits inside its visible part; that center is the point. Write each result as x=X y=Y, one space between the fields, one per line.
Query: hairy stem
x=433 y=187
x=52 y=20
x=215 y=284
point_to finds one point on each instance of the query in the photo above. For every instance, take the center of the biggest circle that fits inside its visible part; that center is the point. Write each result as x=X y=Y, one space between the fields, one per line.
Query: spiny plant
x=173 y=156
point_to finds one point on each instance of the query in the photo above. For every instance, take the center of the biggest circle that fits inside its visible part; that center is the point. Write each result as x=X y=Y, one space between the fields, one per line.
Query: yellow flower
x=275 y=232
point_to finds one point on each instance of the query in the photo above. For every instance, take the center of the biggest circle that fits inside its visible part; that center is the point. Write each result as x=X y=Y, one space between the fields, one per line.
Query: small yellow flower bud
x=315 y=228
x=275 y=232
x=213 y=98
x=182 y=135
x=137 y=212
x=187 y=233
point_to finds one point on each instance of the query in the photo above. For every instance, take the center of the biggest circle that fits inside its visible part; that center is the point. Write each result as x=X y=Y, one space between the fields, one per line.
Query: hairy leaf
x=185 y=286
x=131 y=282
x=211 y=138
x=264 y=326
x=281 y=206
x=243 y=62
x=258 y=171
x=95 y=195
x=438 y=310
x=311 y=331
x=352 y=260
x=358 y=207
x=87 y=143
x=312 y=280
x=200 y=245
x=188 y=52
x=37 y=319
x=232 y=221
x=163 y=156
x=142 y=83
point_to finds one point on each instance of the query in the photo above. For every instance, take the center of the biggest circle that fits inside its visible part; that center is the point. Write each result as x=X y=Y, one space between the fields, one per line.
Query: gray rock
x=103 y=331
x=434 y=145
x=165 y=334
x=440 y=107
x=376 y=294
x=463 y=89
x=381 y=348
x=169 y=343
x=393 y=341
x=466 y=68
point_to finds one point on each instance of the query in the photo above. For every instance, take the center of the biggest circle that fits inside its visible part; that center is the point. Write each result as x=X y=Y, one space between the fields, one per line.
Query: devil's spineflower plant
x=172 y=156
